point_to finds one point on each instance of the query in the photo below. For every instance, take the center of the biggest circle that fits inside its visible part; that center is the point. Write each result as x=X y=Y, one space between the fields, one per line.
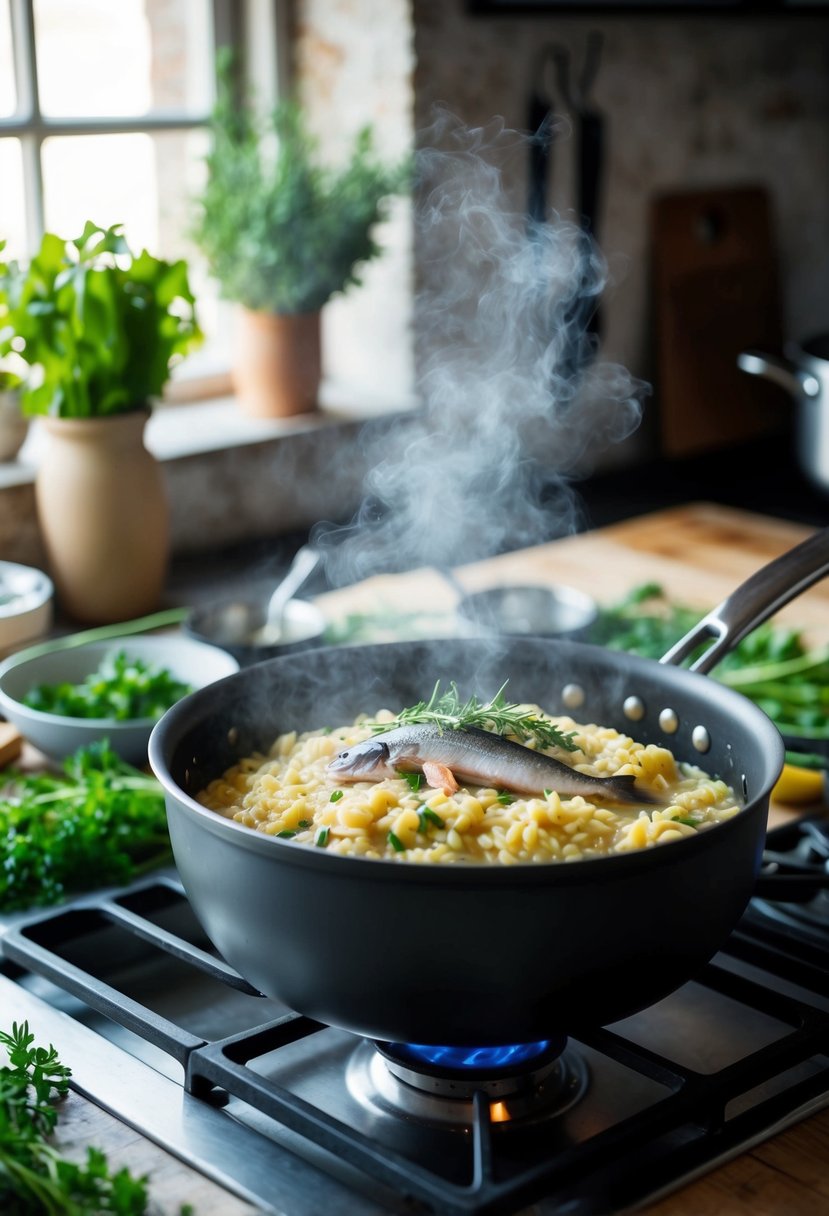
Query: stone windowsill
x=177 y=431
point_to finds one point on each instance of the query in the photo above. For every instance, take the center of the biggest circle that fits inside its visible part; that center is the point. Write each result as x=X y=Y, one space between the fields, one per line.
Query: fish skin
x=477 y=756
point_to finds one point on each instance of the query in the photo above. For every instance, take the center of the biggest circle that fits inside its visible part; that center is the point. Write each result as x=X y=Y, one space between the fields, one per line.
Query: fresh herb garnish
x=426 y=816
x=413 y=780
x=689 y=820
x=287 y=834
x=34 y=1176
x=321 y=838
x=504 y=797
x=304 y=823
x=447 y=712
x=99 y=822
x=396 y=843
x=336 y=795
x=122 y=688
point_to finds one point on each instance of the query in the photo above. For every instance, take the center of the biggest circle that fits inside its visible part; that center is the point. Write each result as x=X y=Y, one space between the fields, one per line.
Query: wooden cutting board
x=715 y=284
x=698 y=553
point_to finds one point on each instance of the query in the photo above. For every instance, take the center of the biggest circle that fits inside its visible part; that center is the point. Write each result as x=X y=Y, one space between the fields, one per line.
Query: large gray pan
x=459 y=954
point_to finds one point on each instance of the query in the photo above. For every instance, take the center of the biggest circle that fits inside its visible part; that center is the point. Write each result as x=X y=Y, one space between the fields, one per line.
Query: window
x=102 y=116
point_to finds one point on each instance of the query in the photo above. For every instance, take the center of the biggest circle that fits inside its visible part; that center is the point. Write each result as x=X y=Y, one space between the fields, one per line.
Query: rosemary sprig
x=446 y=711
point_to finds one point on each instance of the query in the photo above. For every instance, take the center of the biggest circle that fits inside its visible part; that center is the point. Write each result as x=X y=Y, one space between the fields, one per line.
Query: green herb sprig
x=34 y=1176
x=446 y=711
x=99 y=822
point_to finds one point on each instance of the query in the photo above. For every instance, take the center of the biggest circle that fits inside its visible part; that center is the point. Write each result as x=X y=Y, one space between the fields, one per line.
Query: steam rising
x=514 y=400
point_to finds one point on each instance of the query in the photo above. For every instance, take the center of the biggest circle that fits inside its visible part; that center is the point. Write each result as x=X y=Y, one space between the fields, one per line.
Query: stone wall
x=689 y=102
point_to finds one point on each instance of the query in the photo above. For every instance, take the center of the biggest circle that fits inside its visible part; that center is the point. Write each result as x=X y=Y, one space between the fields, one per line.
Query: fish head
x=367 y=761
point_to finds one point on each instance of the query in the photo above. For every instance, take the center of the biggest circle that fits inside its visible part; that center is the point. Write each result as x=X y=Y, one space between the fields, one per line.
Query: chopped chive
x=321 y=838
x=336 y=795
x=687 y=820
x=547 y=793
x=304 y=823
x=286 y=835
x=505 y=798
x=413 y=780
x=396 y=843
x=426 y=816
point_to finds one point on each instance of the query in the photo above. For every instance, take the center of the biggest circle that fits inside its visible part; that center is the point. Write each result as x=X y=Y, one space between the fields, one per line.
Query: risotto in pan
x=290 y=793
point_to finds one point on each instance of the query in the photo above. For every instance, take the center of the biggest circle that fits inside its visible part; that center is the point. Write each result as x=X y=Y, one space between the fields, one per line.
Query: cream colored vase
x=104 y=516
x=277 y=363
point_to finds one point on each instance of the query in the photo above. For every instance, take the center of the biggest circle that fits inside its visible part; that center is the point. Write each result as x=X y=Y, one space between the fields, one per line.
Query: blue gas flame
x=479 y=1058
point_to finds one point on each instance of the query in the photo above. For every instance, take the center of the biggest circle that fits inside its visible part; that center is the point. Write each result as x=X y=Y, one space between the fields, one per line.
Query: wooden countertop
x=699 y=553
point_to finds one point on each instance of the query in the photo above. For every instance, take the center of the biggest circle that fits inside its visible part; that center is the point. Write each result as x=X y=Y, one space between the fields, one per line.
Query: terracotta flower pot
x=104 y=516
x=277 y=363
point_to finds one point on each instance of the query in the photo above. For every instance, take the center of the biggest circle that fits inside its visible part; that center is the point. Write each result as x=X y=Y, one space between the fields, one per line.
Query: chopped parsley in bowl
x=115 y=690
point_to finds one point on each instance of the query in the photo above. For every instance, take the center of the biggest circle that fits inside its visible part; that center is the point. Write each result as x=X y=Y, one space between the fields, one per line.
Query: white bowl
x=191 y=662
x=25 y=605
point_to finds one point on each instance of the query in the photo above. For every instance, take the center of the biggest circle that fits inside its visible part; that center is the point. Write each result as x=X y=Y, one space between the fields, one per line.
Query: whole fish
x=476 y=756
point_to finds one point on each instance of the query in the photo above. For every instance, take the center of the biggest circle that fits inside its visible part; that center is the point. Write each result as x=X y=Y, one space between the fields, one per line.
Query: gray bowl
x=540 y=611
x=236 y=624
x=58 y=736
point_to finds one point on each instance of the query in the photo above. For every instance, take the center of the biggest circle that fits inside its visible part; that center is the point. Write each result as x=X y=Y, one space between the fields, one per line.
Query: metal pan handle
x=754 y=601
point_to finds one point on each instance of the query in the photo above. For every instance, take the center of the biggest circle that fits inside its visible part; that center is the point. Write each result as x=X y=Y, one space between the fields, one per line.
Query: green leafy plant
x=98 y=326
x=34 y=1175
x=282 y=232
x=99 y=822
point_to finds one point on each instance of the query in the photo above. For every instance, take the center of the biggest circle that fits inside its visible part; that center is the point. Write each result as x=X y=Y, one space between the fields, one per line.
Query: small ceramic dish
x=26 y=596
x=188 y=661
x=239 y=627
x=554 y=611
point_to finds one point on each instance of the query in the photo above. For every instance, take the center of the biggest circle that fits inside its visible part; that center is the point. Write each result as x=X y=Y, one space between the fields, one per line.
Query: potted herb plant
x=282 y=233
x=98 y=329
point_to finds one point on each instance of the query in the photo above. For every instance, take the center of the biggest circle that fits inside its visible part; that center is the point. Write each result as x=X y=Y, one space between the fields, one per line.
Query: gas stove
x=299 y=1118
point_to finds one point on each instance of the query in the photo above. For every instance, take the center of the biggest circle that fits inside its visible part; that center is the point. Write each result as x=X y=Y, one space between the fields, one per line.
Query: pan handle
x=754 y=601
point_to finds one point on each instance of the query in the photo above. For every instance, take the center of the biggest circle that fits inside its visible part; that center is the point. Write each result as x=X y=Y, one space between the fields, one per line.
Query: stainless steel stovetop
x=300 y=1118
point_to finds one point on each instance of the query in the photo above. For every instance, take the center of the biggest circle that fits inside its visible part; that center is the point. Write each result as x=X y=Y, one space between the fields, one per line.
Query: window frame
x=256 y=30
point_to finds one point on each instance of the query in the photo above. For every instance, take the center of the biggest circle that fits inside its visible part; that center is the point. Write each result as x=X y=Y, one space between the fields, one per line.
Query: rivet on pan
x=572 y=695
x=700 y=738
x=634 y=708
x=669 y=721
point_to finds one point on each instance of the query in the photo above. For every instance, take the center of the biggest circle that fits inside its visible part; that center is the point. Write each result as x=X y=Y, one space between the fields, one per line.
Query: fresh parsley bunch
x=34 y=1176
x=99 y=822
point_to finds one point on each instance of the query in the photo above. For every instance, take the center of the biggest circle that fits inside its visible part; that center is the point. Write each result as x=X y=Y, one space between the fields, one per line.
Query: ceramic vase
x=104 y=516
x=13 y=426
x=277 y=363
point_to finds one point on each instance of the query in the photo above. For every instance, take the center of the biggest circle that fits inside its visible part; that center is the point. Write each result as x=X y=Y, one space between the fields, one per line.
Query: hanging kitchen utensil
x=589 y=132
x=541 y=125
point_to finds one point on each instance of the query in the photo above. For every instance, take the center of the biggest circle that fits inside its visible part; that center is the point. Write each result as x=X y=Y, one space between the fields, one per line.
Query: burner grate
x=99 y=950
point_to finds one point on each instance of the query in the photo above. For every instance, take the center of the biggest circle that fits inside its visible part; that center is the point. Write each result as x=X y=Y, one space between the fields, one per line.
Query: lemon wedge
x=798 y=785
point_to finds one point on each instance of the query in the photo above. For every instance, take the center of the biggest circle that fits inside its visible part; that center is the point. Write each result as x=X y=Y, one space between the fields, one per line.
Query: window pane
x=8 y=92
x=99 y=58
x=145 y=182
x=12 y=215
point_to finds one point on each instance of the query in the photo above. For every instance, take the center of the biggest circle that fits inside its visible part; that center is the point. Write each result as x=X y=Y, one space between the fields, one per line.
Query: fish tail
x=625 y=789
